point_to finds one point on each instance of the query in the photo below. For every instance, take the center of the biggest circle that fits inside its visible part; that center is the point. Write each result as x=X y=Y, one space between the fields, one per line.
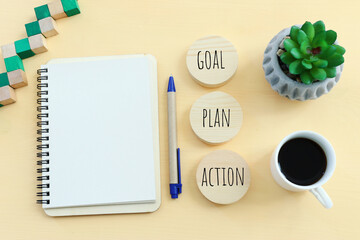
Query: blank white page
x=101 y=138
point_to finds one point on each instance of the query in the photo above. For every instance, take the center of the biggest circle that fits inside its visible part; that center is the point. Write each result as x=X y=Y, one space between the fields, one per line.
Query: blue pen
x=174 y=151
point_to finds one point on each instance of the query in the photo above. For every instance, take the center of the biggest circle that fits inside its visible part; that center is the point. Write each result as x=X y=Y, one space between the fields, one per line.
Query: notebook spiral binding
x=43 y=146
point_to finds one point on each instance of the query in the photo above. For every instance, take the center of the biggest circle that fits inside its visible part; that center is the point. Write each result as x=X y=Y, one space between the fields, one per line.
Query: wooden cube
x=17 y=78
x=4 y=80
x=32 y=28
x=56 y=10
x=48 y=27
x=7 y=95
x=42 y=12
x=13 y=63
x=23 y=49
x=8 y=50
x=38 y=44
x=71 y=7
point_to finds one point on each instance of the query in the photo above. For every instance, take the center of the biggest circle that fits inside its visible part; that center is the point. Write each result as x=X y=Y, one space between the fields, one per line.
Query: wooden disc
x=216 y=117
x=223 y=177
x=212 y=61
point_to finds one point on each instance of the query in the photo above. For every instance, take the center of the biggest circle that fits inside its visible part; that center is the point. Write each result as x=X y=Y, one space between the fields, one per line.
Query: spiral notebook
x=99 y=136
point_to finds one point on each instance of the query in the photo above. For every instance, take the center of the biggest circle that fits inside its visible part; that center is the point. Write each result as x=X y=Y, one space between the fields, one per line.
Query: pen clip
x=179 y=170
x=176 y=188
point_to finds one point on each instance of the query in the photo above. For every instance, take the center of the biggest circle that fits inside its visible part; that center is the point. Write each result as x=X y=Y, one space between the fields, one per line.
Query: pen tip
x=171 y=86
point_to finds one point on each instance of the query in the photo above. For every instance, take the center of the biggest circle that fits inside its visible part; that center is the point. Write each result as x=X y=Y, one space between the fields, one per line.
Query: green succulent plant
x=311 y=52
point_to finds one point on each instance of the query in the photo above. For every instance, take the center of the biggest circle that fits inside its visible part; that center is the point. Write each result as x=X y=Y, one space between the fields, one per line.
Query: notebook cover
x=134 y=206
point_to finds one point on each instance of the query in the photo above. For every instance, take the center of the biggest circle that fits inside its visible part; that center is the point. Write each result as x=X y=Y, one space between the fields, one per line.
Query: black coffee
x=302 y=161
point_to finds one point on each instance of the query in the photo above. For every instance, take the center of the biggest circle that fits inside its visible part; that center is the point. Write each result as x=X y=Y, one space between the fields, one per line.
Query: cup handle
x=322 y=196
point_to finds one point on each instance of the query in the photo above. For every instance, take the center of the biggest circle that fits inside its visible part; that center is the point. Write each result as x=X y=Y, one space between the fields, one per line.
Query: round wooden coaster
x=212 y=61
x=223 y=177
x=216 y=117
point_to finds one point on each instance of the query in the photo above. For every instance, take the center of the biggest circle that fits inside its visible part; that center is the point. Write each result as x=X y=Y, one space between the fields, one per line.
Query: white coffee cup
x=315 y=188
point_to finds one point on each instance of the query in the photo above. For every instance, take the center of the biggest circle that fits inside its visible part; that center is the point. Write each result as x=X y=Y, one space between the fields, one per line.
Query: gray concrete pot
x=286 y=86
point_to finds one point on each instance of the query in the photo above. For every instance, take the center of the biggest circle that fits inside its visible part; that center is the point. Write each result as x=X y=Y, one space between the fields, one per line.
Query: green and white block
x=71 y=7
x=7 y=95
x=8 y=50
x=13 y=53
x=32 y=28
x=46 y=26
x=42 y=12
x=17 y=78
x=4 y=80
x=14 y=63
x=23 y=49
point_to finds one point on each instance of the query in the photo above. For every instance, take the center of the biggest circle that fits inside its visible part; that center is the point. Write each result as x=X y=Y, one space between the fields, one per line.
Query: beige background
x=166 y=29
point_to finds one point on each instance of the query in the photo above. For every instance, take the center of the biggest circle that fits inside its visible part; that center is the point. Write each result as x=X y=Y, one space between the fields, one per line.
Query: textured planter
x=286 y=86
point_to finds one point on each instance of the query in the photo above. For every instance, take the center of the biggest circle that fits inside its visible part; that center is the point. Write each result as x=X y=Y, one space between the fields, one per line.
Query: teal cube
x=42 y=12
x=33 y=28
x=23 y=49
x=4 y=80
x=13 y=63
x=71 y=7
